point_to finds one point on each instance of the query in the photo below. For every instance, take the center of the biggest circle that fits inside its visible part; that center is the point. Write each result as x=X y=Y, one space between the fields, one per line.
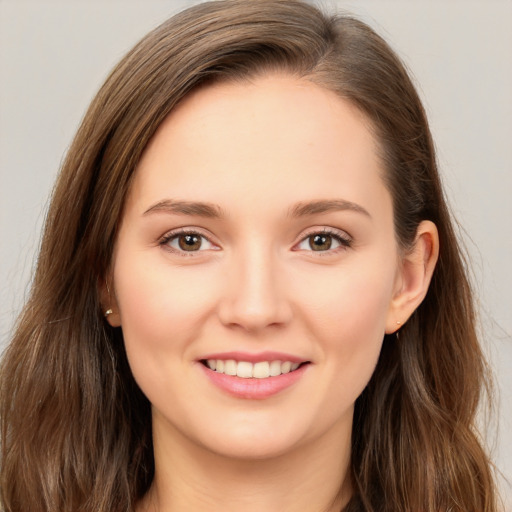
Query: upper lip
x=254 y=357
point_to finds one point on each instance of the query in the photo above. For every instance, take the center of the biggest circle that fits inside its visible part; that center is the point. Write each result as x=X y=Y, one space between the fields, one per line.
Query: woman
x=248 y=283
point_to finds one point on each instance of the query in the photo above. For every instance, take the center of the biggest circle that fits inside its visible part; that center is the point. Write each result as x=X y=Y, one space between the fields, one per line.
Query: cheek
x=154 y=301
x=347 y=315
x=161 y=315
x=347 y=304
x=353 y=327
x=162 y=312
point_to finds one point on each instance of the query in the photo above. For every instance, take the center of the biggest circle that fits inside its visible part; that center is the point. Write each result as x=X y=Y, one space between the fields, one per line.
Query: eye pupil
x=320 y=242
x=189 y=242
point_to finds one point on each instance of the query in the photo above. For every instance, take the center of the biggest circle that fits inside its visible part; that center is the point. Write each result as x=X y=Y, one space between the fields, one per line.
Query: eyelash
x=175 y=234
x=344 y=240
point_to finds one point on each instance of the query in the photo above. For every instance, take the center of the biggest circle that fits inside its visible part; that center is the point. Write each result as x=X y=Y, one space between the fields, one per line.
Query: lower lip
x=254 y=389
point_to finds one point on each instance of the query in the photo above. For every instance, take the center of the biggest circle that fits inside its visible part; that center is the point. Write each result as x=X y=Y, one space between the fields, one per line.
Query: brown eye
x=320 y=242
x=189 y=242
x=324 y=241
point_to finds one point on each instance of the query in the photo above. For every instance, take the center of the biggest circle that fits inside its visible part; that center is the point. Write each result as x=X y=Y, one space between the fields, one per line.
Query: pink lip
x=253 y=389
x=254 y=358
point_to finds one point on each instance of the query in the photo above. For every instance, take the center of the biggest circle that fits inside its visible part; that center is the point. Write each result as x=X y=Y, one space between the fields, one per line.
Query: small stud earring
x=108 y=312
x=397 y=333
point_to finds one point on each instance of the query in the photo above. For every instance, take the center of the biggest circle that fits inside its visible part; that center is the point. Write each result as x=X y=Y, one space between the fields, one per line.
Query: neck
x=313 y=477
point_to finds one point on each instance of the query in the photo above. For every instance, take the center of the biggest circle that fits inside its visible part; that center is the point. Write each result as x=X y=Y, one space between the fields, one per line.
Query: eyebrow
x=303 y=209
x=199 y=209
x=213 y=211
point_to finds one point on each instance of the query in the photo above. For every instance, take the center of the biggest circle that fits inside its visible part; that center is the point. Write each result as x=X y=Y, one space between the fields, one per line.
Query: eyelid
x=164 y=240
x=343 y=238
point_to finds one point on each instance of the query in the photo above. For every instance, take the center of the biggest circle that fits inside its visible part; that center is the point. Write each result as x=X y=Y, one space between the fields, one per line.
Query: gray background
x=55 y=54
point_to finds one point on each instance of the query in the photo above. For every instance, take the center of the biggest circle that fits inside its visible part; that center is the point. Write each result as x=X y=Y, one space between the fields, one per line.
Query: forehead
x=268 y=135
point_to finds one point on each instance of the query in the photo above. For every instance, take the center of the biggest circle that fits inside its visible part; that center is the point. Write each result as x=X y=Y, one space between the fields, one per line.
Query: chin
x=255 y=448
x=248 y=438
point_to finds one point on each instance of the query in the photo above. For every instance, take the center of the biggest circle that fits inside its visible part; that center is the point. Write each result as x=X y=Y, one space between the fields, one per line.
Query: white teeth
x=261 y=370
x=230 y=367
x=286 y=367
x=246 y=370
x=275 y=368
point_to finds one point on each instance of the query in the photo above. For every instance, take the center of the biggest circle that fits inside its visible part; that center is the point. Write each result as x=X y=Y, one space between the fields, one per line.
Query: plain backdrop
x=55 y=54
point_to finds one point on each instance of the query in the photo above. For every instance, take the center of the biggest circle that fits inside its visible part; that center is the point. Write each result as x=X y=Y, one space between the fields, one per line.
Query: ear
x=414 y=275
x=109 y=303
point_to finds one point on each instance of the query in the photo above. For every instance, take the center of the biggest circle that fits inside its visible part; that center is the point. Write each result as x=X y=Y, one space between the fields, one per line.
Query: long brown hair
x=76 y=429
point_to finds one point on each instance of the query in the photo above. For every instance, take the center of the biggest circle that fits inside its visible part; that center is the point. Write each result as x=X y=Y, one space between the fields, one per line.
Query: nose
x=255 y=296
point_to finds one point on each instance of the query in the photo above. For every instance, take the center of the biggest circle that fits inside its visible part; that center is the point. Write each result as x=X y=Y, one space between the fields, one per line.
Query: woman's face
x=257 y=238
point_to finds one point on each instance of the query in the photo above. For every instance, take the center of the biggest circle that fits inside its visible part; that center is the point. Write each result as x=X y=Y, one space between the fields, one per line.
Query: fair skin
x=290 y=256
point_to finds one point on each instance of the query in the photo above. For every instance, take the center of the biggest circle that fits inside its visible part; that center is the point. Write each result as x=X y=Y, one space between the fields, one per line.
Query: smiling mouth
x=248 y=370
